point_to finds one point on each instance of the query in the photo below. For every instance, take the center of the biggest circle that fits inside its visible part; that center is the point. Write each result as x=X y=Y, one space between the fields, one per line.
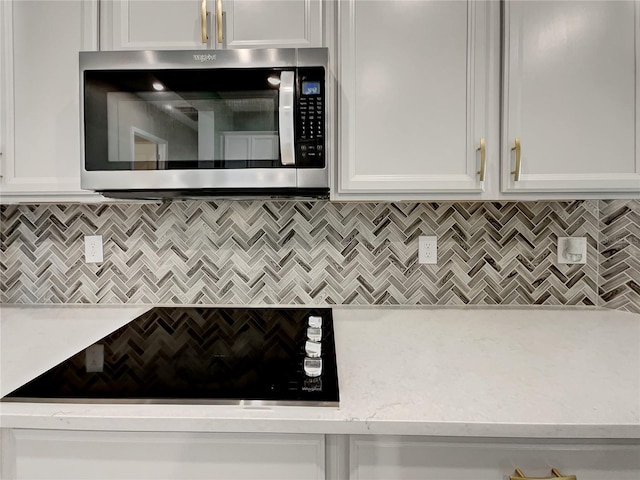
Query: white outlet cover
x=93 y=249
x=572 y=250
x=428 y=250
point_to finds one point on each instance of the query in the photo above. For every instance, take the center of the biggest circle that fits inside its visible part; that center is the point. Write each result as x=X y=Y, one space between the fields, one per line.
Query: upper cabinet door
x=207 y=24
x=271 y=23
x=39 y=88
x=571 y=96
x=156 y=25
x=415 y=98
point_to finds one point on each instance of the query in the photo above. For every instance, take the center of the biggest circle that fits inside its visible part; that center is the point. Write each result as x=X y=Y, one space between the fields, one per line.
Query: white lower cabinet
x=105 y=455
x=404 y=458
x=86 y=455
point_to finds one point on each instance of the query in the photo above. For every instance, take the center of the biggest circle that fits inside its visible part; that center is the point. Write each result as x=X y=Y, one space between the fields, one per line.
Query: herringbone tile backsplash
x=619 y=285
x=319 y=252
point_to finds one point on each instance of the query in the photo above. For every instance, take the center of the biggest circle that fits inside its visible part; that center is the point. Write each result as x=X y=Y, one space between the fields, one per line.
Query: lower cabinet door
x=403 y=458
x=81 y=455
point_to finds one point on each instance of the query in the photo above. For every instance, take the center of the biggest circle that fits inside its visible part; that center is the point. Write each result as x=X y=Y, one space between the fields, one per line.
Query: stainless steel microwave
x=205 y=123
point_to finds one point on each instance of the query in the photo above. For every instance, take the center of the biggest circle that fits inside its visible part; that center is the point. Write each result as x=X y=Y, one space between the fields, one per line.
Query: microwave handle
x=285 y=115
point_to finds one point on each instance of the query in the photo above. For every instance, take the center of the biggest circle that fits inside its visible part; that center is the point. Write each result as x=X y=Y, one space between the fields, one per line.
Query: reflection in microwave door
x=137 y=131
x=148 y=152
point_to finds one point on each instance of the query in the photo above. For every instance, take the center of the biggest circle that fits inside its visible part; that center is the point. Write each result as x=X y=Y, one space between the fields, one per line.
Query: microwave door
x=286 y=118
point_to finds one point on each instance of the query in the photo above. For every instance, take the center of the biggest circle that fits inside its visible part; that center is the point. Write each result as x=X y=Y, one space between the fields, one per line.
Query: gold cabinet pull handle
x=518 y=149
x=483 y=159
x=219 y=21
x=556 y=476
x=203 y=19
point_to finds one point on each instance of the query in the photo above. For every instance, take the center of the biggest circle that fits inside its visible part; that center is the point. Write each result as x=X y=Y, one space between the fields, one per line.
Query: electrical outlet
x=428 y=250
x=93 y=249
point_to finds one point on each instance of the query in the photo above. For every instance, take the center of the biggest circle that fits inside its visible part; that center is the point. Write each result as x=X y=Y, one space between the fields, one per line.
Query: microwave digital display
x=311 y=88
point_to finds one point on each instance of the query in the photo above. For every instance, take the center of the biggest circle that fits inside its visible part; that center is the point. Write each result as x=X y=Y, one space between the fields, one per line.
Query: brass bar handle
x=219 y=21
x=483 y=159
x=556 y=476
x=518 y=149
x=203 y=19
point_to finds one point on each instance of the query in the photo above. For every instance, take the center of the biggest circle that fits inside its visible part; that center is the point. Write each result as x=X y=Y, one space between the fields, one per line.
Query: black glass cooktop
x=202 y=355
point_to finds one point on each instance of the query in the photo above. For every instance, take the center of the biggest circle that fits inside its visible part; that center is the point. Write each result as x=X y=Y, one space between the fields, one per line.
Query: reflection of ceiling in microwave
x=250 y=104
x=248 y=101
x=188 y=111
x=238 y=101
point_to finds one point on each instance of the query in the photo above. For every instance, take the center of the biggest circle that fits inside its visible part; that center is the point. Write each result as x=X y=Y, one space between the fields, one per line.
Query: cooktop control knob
x=313 y=349
x=313 y=367
x=314 y=334
x=315 y=321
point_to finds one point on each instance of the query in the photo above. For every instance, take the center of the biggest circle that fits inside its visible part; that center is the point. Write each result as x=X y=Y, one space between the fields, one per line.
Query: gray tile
x=309 y=252
x=619 y=280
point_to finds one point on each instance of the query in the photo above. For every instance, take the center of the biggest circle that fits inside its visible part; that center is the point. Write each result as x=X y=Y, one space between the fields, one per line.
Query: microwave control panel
x=310 y=118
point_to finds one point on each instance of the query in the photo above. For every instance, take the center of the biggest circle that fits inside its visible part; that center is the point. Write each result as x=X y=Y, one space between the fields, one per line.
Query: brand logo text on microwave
x=204 y=58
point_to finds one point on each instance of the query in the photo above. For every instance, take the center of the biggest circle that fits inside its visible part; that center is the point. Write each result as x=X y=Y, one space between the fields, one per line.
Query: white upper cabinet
x=419 y=85
x=416 y=98
x=208 y=24
x=147 y=25
x=39 y=98
x=571 y=96
x=271 y=23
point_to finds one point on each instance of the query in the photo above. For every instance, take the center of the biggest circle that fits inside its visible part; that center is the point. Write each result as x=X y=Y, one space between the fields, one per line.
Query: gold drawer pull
x=556 y=476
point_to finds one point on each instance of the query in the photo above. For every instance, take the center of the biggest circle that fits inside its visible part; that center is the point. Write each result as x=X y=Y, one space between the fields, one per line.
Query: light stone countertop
x=482 y=372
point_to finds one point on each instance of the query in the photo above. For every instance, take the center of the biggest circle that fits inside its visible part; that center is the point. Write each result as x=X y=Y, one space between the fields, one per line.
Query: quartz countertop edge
x=458 y=372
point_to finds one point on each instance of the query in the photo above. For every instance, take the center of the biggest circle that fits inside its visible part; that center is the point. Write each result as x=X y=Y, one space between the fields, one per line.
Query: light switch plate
x=572 y=250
